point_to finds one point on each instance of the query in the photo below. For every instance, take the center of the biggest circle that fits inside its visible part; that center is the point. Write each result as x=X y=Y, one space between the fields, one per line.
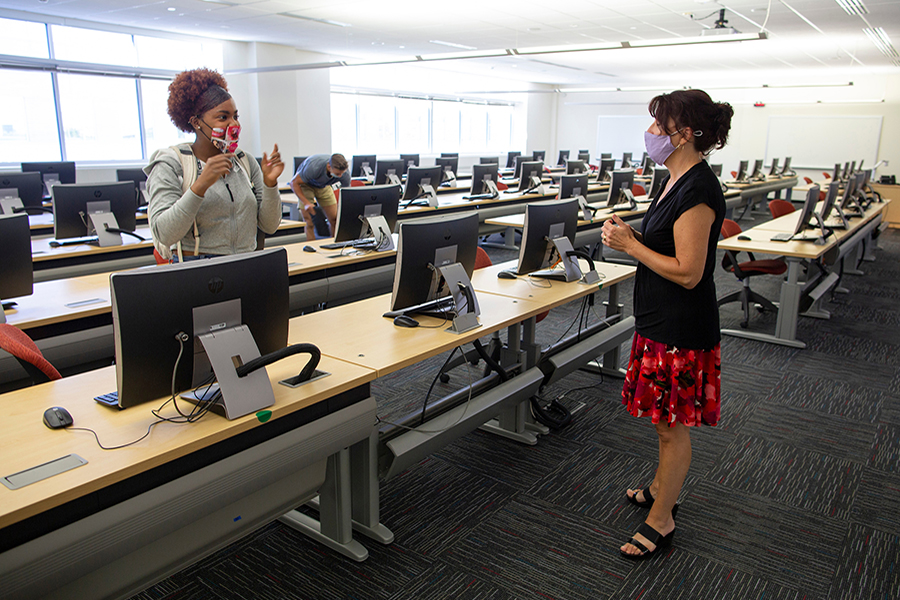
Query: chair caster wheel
x=444 y=378
x=743 y=324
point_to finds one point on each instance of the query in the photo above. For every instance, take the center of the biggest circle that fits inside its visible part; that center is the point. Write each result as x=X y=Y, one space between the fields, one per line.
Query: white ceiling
x=806 y=37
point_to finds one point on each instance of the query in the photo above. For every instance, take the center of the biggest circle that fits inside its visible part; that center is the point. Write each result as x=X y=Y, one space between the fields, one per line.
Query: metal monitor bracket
x=377 y=227
x=467 y=309
x=490 y=187
x=9 y=204
x=100 y=220
x=429 y=193
x=392 y=179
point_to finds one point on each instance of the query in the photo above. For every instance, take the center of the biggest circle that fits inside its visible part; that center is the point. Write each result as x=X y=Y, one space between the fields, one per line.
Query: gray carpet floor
x=795 y=495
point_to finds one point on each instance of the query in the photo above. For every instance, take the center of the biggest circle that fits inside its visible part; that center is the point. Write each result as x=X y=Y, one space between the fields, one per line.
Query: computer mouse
x=308 y=249
x=744 y=238
x=56 y=417
x=405 y=321
x=506 y=275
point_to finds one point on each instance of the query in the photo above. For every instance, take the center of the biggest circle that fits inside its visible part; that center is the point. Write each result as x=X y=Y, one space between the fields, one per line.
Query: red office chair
x=779 y=208
x=734 y=174
x=827 y=175
x=744 y=271
x=16 y=342
x=482 y=260
x=638 y=190
x=356 y=183
x=502 y=186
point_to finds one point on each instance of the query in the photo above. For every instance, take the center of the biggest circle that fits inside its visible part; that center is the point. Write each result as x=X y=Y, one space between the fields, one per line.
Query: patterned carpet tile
x=431 y=505
x=852 y=307
x=737 y=406
x=750 y=379
x=814 y=482
x=813 y=431
x=601 y=404
x=789 y=547
x=847 y=369
x=849 y=400
x=886 y=449
x=866 y=349
x=195 y=589
x=877 y=503
x=868 y=566
x=442 y=582
x=758 y=354
x=890 y=409
x=536 y=550
x=682 y=575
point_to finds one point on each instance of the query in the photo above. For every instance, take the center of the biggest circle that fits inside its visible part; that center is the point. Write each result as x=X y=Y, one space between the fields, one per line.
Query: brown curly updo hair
x=194 y=92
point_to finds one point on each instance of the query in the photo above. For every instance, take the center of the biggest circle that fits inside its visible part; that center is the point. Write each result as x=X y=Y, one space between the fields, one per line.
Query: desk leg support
x=334 y=528
x=509 y=240
x=364 y=481
x=513 y=423
x=610 y=366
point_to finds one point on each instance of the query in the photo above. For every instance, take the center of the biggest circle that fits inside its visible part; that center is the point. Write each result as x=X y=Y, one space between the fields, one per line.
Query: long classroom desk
x=751 y=193
x=130 y=517
x=842 y=242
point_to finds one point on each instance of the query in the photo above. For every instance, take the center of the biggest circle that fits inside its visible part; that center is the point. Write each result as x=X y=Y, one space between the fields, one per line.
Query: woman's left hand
x=272 y=167
x=617 y=235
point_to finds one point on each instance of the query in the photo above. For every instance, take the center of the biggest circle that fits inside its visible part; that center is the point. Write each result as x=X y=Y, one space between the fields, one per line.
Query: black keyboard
x=349 y=243
x=89 y=239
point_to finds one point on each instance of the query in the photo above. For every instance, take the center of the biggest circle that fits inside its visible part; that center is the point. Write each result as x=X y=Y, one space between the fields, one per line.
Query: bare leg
x=309 y=228
x=331 y=216
x=674 y=462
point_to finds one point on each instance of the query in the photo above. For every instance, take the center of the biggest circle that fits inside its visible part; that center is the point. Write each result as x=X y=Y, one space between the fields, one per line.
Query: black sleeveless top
x=665 y=311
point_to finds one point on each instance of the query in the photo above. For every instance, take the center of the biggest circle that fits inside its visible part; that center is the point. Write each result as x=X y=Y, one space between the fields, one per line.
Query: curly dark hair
x=694 y=109
x=186 y=92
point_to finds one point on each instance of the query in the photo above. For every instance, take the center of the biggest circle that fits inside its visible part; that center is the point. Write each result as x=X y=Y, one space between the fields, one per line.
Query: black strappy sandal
x=648 y=498
x=654 y=537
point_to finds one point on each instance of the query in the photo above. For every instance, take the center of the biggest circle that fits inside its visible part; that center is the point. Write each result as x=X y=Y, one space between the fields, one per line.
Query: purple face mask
x=659 y=147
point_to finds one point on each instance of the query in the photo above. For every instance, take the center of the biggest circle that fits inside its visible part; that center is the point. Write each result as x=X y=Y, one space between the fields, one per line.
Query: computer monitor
x=424 y=245
x=298 y=160
x=852 y=167
x=518 y=161
x=647 y=164
x=480 y=174
x=622 y=179
x=27 y=187
x=363 y=201
x=757 y=169
x=16 y=270
x=716 y=169
x=848 y=200
x=489 y=160
x=626 y=160
x=846 y=173
x=807 y=213
x=139 y=178
x=59 y=171
x=385 y=168
x=606 y=167
x=563 y=157
x=742 y=171
x=584 y=155
x=409 y=160
x=539 y=155
x=361 y=162
x=830 y=199
x=72 y=204
x=836 y=174
x=659 y=174
x=511 y=159
x=449 y=154
x=152 y=308
x=544 y=222
x=786 y=169
x=576 y=167
x=418 y=176
x=530 y=168
x=446 y=163
x=602 y=154
x=571 y=186
x=773 y=171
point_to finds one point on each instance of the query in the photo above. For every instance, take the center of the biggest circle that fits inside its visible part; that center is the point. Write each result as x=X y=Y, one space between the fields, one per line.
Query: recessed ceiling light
x=853 y=7
x=171 y=9
x=452 y=45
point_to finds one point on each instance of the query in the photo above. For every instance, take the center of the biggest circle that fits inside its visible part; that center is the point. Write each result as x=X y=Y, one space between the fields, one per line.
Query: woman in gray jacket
x=207 y=198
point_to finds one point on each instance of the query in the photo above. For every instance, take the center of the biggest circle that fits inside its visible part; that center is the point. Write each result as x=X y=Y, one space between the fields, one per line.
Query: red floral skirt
x=670 y=384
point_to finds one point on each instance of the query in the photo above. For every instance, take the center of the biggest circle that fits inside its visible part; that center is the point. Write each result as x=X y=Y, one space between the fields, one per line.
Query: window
x=472 y=128
x=28 y=130
x=444 y=126
x=343 y=124
x=91 y=46
x=159 y=131
x=499 y=129
x=376 y=126
x=412 y=125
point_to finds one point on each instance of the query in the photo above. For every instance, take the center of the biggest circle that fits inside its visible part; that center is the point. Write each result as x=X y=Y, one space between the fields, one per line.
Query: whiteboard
x=618 y=134
x=820 y=142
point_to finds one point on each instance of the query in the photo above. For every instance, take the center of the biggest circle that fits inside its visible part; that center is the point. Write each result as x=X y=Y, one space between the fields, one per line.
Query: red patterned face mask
x=226 y=140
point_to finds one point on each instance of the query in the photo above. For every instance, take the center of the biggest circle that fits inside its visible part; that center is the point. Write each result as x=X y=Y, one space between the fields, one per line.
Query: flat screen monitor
x=425 y=244
x=481 y=173
x=563 y=157
x=584 y=155
x=848 y=198
x=830 y=198
x=448 y=162
x=449 y=154
x=16 y=270
x=852 y=167
x=73 y=202
x=416 y=176
x=530 y=168
x=383 y=168
x=742 y=171
x=489 y=160
x=808 y=210
x=647 y=164
x=539 y=155
x=659 y=174
x=571 y=186
x=626 y=160
x=28 y=187
x=298 y=160
x=773 y=170
x=621 y=179
x=836 y=174
x=757 y=169
x=518 y=161
x=511 y=159
x=62 y=171
x=545 y=221
x=602 y=154
x=576 y=167
x=846 y=173
x=606 y=167
x=151 y=307
x=786 y=169
x=409 y=160
x=365 y=201
x=362 y=160
x=139 y=178
x=716 y=169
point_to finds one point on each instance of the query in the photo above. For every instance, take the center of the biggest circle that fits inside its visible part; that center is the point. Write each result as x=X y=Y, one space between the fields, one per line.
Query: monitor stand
x=572 y=270
x=377 y=226
x=100 y=222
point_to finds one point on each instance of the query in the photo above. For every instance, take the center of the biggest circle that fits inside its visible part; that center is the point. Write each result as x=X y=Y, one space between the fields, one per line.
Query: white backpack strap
x=188 y=177
x=244 y=165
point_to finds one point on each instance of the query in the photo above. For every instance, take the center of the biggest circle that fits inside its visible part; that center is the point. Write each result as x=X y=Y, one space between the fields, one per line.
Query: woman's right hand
x=216 y=167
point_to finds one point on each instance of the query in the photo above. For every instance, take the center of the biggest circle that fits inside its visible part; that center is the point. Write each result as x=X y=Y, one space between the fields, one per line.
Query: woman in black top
x=674 y=372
